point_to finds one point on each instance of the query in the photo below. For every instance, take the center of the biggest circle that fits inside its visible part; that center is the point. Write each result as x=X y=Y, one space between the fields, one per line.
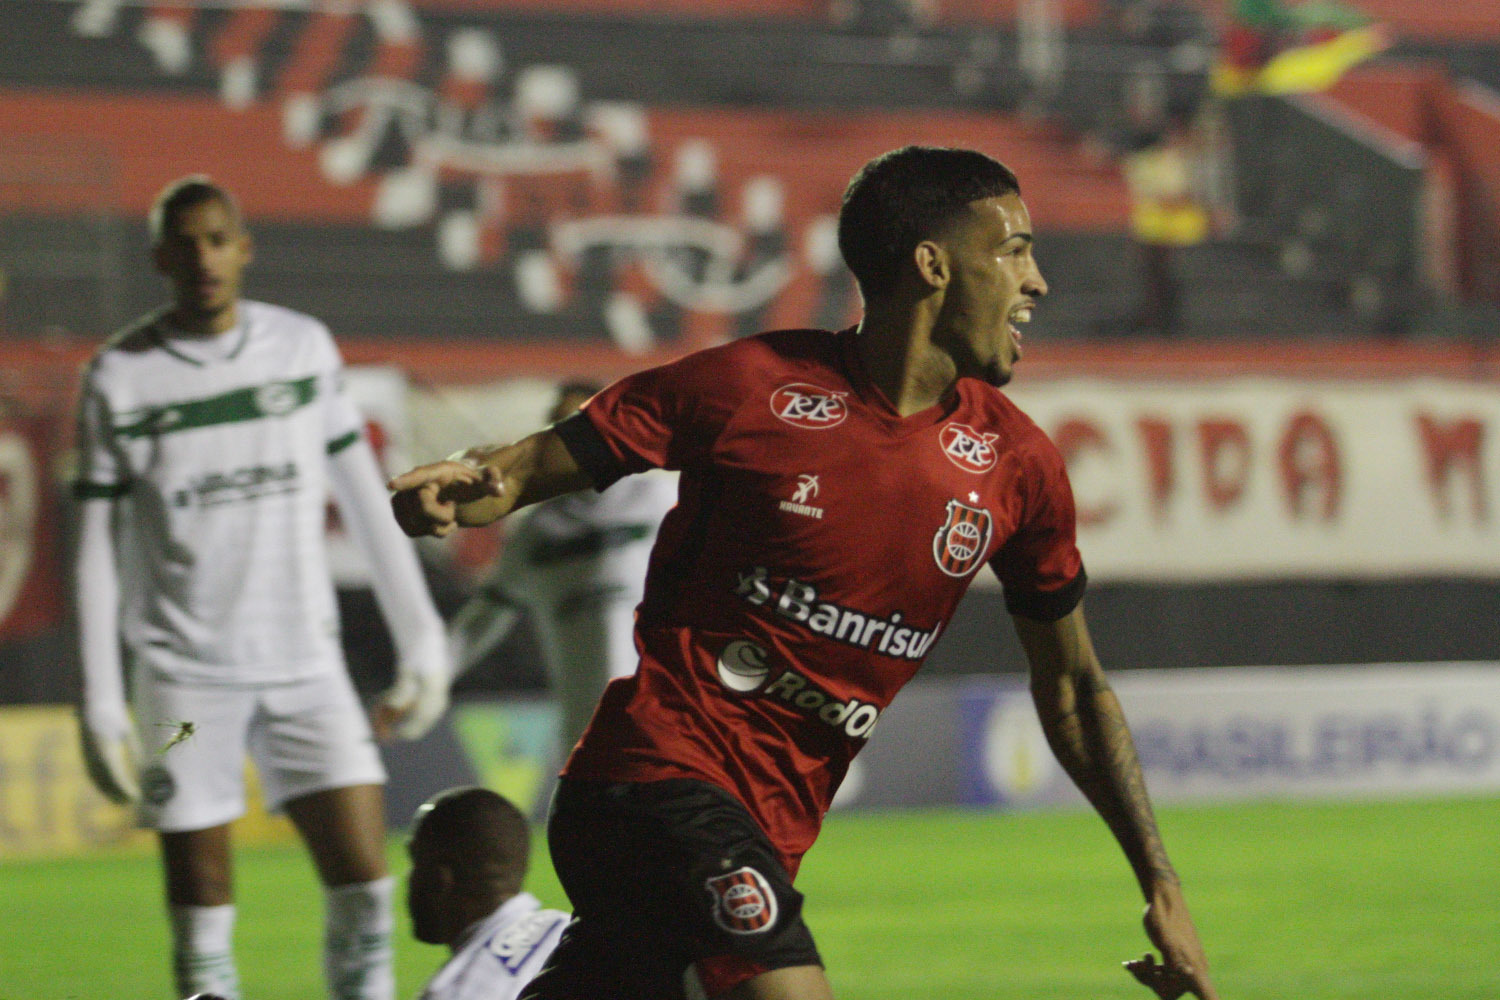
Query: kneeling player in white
x=469 y=849
x=210 y=433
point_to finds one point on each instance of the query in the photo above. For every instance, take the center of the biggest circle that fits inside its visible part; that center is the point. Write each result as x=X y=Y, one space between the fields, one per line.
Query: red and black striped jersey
x=820 y=544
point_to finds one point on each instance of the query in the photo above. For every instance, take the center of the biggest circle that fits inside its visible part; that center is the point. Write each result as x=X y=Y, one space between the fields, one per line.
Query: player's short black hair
x=905 y=196
x=183 y=194
x=481 y=834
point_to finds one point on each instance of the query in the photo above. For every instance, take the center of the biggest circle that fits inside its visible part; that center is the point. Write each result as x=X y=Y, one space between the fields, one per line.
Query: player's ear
x=932 y=264
x=247 y=246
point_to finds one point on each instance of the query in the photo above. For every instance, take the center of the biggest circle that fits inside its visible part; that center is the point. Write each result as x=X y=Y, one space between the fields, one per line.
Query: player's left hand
x=414 y=704
x=1183 y=967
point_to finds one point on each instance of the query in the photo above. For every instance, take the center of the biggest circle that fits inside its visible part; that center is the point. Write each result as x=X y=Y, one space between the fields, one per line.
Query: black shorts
x=664 y=875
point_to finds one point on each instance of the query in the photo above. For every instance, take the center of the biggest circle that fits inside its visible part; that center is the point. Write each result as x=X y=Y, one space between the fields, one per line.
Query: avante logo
x=805 y=490
x=960 y=543
x=969 y=449
x=808 y=406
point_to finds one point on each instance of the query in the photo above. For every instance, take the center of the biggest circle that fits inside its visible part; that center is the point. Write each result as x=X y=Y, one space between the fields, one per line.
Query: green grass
x=1389 y=901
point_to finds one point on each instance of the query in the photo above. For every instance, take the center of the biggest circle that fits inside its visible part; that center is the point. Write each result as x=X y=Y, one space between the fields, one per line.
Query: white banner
x=1233 y=733
x=1278 y=478
x=1199 y=479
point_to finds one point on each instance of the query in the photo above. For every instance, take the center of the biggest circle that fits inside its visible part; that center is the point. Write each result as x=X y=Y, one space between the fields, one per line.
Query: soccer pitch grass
x=1369 y=901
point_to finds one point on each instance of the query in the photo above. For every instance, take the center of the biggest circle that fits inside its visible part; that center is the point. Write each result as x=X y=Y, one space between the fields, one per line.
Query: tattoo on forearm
x=1089 y=734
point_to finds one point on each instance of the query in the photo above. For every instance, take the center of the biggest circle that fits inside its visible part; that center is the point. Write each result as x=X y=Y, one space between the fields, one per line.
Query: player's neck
x=204 y=323
x=901 y=362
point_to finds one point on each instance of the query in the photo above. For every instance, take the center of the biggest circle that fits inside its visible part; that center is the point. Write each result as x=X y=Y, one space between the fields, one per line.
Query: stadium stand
x=602 y=182
x=339 y=119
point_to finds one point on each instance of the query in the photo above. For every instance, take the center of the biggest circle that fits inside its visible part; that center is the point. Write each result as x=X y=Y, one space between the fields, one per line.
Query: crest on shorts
x=743 y=901
x=962 y=540
x=157 y=785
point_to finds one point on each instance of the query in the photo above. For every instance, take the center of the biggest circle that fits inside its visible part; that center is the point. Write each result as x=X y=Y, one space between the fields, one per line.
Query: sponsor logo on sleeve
x=970 y=450
x=743 y=902
x=961 y=542
x=809 y=407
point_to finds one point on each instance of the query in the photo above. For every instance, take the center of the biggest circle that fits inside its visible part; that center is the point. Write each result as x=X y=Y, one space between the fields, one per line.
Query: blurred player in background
x=469 y=852
x=210 y=432
x=577 y=565
x=839 y=491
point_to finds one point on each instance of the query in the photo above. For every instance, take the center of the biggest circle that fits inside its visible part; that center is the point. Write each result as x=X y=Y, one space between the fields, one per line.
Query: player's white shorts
x=304 y=736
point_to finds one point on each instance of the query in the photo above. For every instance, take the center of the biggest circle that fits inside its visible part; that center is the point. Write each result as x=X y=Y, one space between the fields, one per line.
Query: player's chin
x=999 y=375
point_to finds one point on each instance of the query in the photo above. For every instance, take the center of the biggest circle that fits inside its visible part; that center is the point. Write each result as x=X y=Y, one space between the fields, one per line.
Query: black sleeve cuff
x=587 y=446
x=1048 y=605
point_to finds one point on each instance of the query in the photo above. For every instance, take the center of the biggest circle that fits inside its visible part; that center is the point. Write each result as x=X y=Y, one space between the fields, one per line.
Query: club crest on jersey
x=276 y=398
x=809 y=407
x=743 y=901
x=961 y=542
x=970 y=450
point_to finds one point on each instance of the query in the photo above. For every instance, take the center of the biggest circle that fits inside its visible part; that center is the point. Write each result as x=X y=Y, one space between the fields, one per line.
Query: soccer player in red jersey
x=838 y=493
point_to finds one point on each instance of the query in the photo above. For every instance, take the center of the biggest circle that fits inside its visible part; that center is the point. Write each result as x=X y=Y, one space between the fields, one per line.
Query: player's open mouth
x=1018 y=317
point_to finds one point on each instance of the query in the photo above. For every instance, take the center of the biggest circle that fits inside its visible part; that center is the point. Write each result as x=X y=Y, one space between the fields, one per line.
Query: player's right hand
x=111 y=752
x=425 y=500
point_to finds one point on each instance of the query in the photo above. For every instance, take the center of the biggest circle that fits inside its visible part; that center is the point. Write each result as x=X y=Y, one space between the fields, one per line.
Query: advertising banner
x=1221 y=734
x=1237 y=733
x=1234 y=479
x=48 y=808
x=1249 y=478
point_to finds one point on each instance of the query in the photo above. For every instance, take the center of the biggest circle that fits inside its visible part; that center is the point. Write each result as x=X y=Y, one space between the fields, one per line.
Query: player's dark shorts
x=664 y=875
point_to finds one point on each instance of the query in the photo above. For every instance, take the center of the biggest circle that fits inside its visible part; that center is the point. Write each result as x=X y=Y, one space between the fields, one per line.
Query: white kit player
x=210 y=434
x=577 y=565
x=469 y=849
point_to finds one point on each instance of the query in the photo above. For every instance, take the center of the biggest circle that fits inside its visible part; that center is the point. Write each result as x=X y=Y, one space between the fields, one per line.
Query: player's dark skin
x=955 y=311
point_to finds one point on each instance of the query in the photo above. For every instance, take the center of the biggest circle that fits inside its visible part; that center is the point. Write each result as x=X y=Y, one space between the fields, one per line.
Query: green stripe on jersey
x=99 y=491
x=274 y=399
x=338 y=444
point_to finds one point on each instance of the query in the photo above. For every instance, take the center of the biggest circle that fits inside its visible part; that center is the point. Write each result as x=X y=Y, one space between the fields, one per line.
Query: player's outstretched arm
x=484 y=484
x=1086 y=729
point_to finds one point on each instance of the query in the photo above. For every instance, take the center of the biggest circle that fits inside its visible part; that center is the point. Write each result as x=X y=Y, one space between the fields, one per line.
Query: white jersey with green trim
x=215 y=450
x=499 y=955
